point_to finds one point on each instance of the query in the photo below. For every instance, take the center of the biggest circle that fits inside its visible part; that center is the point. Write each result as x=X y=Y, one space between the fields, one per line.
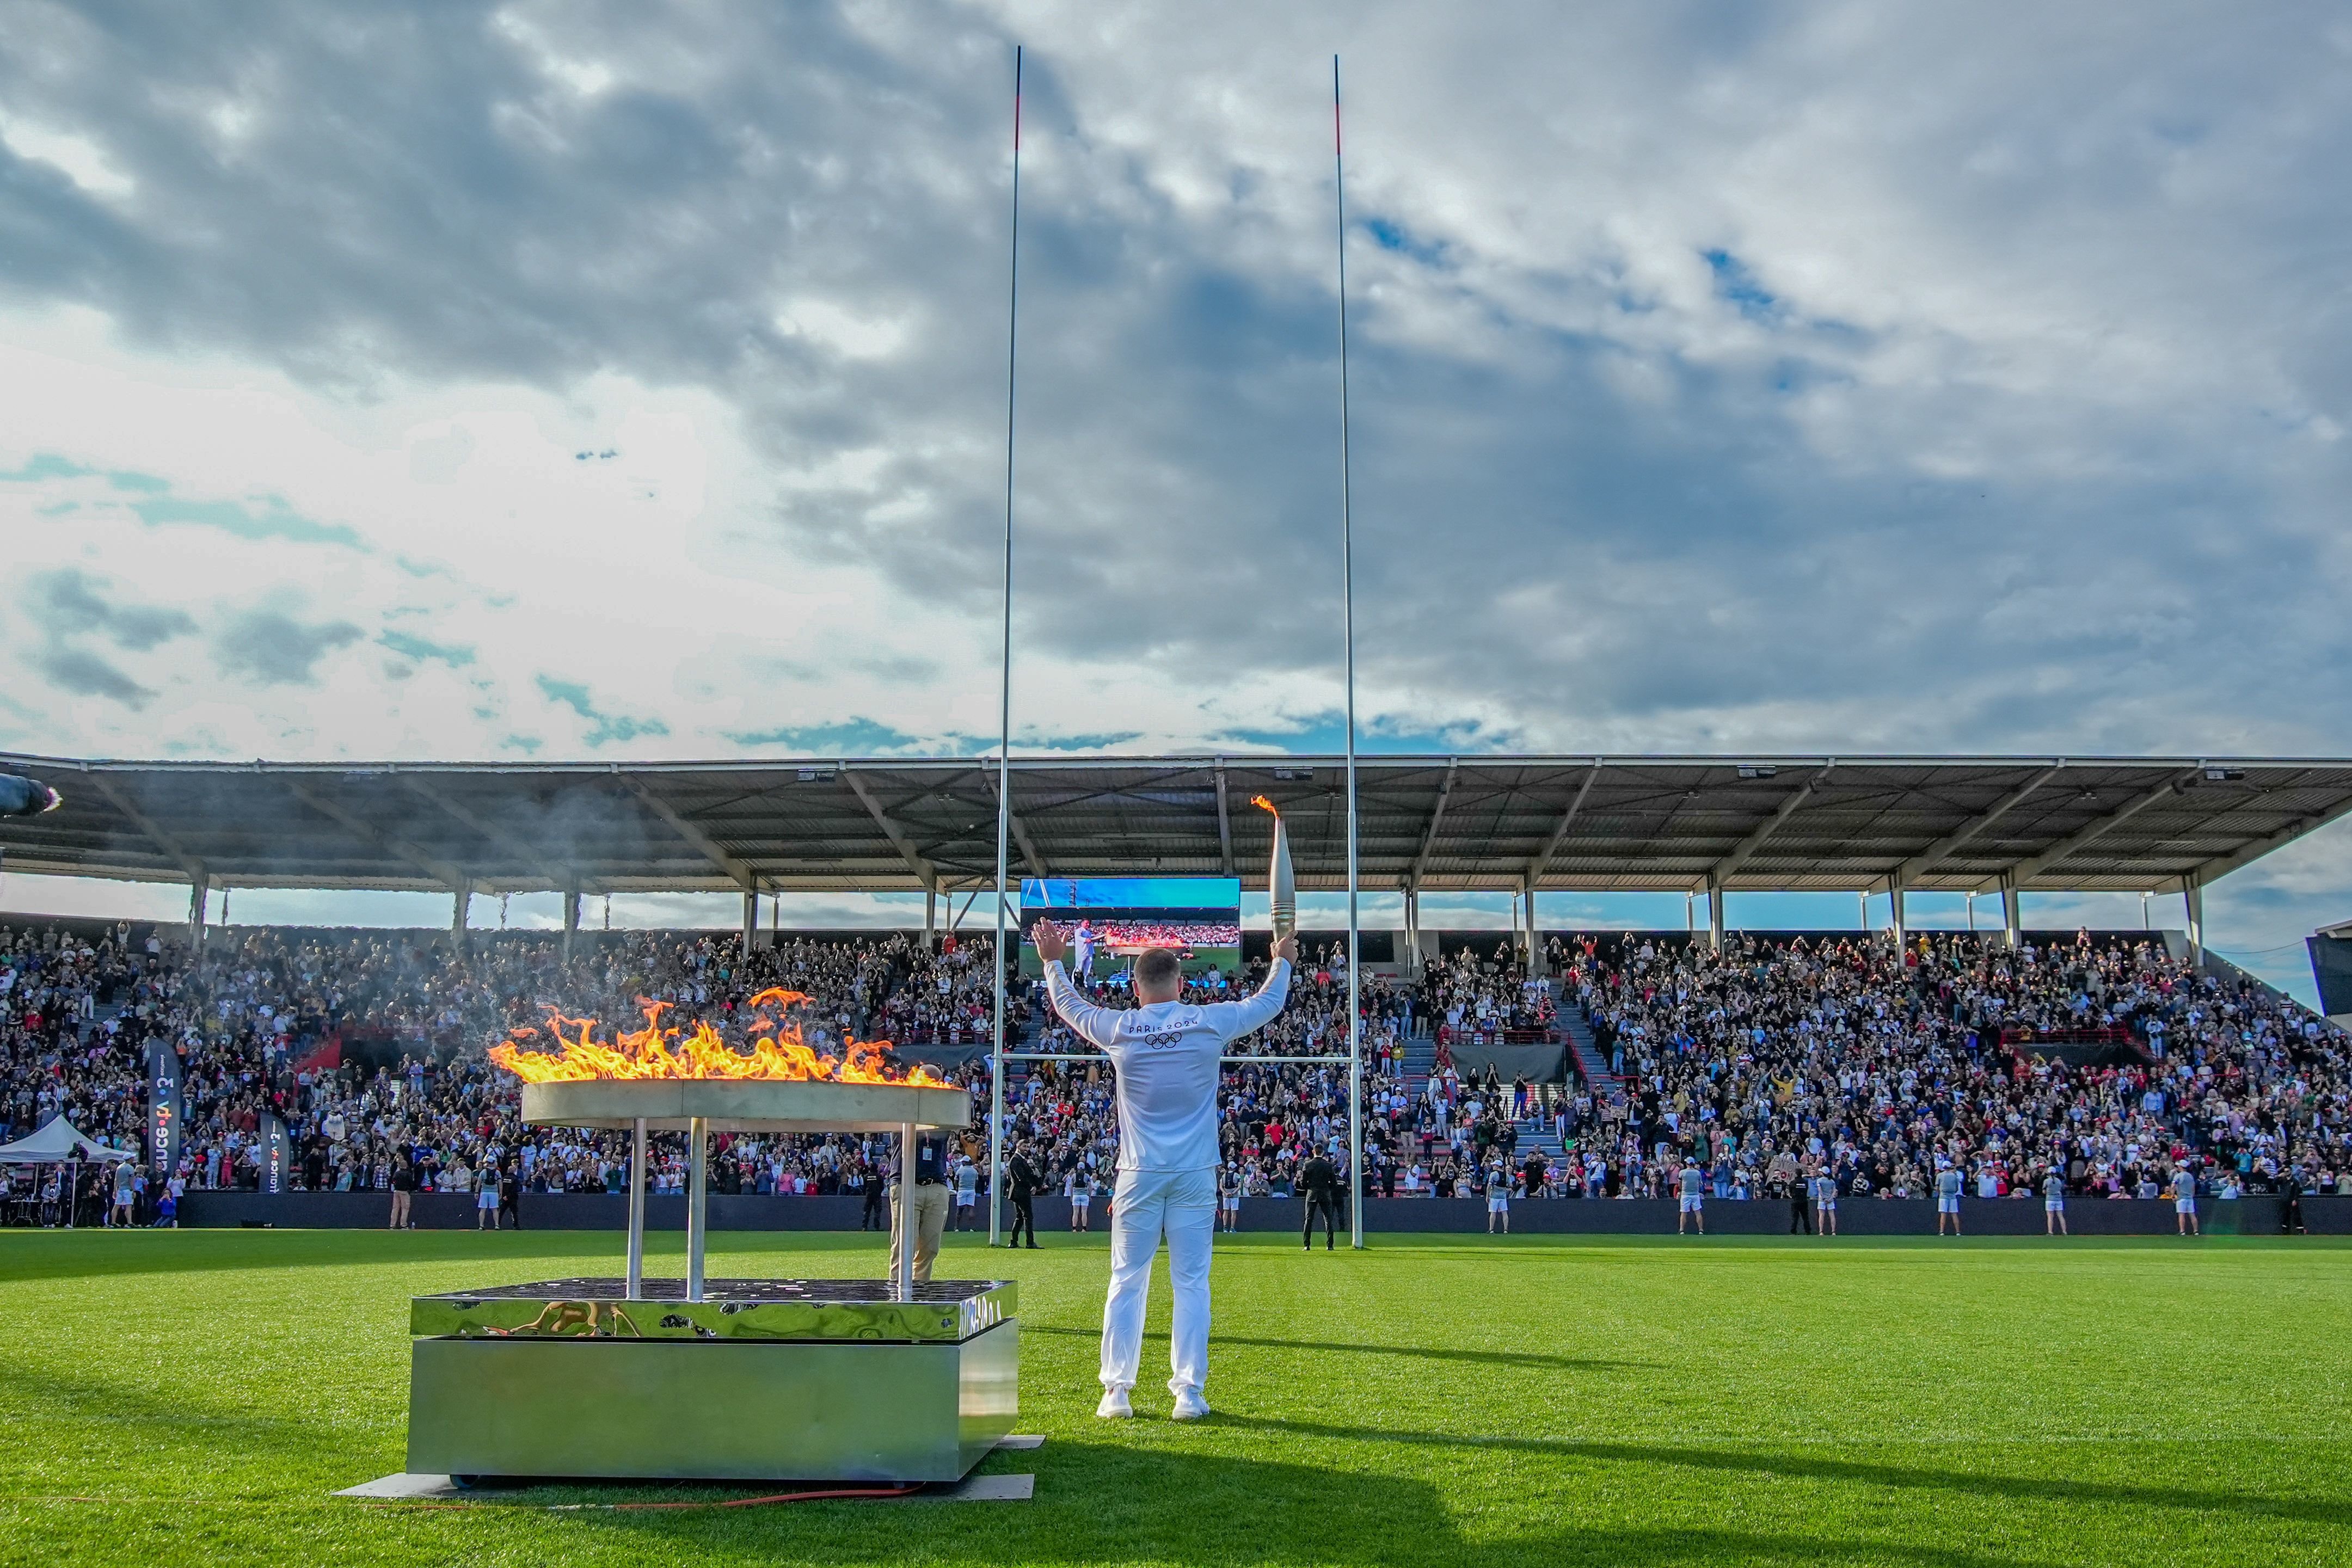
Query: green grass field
x=193 y=1396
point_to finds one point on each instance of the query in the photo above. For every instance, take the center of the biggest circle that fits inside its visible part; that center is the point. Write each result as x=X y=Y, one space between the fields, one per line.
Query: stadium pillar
x=931 y=917
x=460 y=901
x=1715 y=916
x=2192 y=897
x=1411 y=932
x=1895 y=903
x=2010 y=921
x=571 y=919
x=750 y=920
x=199 y=894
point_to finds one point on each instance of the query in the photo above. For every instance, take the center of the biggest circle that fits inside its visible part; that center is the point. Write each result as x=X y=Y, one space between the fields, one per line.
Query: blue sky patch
x=273 y=520
x=1735 y=283
x=408 y=647
x=848 y=738
x=606 y=727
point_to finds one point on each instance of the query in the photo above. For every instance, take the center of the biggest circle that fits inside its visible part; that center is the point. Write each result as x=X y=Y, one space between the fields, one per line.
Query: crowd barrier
x=1545 y=1217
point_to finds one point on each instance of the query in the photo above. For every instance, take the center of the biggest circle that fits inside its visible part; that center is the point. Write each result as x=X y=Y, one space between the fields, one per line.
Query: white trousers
x=1182 y=1205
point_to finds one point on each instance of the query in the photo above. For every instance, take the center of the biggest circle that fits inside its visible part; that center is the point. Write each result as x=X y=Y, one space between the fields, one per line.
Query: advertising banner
x=277 y=1156
x=164 y=1107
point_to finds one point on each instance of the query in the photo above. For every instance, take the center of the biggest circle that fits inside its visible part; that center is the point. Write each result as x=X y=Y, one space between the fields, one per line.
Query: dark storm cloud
x=68 y=602
x=85 y=673
x=1825 y=377
x=69 y=608
x=269 y=647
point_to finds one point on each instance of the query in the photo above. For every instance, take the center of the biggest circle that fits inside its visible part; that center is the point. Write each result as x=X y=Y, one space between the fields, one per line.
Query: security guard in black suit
x=1319 y=1182
x=1021 y=1183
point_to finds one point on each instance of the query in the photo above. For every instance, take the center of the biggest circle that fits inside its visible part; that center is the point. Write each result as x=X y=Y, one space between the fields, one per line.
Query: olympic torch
x=1281 y=885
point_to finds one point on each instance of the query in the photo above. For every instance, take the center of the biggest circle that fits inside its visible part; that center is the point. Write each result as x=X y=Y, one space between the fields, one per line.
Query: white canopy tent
x=58 y=1141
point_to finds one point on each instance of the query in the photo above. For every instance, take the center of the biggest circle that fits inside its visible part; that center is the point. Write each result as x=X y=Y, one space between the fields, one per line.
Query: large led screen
x=1113 y=918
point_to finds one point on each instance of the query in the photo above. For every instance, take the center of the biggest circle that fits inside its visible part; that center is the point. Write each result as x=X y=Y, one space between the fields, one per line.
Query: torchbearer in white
x=1165 y=1054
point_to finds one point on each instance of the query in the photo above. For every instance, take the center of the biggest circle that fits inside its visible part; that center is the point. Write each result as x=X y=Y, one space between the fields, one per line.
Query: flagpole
x=1004 y=709
x=1348 y=624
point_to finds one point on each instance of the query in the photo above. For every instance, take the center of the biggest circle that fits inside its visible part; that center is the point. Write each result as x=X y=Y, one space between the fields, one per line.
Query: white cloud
x=842 y=330
x=630 y=379
x=77 y=157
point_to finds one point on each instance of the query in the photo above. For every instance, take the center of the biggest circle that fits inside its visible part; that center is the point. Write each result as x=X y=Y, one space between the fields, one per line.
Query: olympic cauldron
x=717 y=1379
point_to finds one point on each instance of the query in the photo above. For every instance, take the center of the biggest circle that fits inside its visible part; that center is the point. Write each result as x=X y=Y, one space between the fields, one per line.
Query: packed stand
x=1773 y=1065
x=1770 y=1067
x=368 y=1049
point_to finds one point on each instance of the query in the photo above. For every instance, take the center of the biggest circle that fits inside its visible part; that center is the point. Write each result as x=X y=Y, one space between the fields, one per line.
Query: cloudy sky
x=625 y=380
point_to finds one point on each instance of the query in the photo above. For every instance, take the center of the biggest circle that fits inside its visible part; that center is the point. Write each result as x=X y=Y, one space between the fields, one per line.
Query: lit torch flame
x=655 y=1051
x=1281 y=884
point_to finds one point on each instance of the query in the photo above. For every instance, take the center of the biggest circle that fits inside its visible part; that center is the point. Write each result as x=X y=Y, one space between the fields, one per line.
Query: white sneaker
x=1113 y=1406
x=1190 y=1407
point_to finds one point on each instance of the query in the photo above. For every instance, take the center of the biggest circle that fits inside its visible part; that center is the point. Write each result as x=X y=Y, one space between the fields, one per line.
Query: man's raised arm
x=1093 y=1024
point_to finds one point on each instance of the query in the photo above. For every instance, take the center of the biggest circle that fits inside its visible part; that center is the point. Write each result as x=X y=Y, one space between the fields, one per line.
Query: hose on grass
x=877 y=1494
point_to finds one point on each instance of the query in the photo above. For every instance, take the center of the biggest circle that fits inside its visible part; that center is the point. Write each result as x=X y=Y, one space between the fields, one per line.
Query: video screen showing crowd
x=1842 y=1066
x=1112 y=920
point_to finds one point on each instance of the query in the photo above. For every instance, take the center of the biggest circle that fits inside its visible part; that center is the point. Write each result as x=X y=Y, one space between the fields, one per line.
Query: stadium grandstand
x=1568 y=1066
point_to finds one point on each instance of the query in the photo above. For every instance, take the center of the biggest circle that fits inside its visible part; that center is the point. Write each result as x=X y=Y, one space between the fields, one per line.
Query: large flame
x=655 y=1051
x=1263 y=804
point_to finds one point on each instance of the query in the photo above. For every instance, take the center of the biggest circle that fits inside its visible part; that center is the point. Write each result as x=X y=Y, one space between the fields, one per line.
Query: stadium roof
x=1674 y=823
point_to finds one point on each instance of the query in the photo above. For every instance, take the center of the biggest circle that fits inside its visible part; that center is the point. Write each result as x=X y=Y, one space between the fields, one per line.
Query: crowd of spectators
x=2109 y=1063
x=1770 y=1066
x=1484 y=1001
x=367 y=1049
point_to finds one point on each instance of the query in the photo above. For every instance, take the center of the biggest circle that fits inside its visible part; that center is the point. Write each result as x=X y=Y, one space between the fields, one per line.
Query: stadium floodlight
x=2223 y=775
x=23 y=797
x=816 y=775
x=1759 y=770
x=1294 y=774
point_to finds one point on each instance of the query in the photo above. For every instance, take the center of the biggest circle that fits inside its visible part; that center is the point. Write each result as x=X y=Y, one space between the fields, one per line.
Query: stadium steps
x=1536 y=1136
x=1585 y=1047
x=1421 y=1062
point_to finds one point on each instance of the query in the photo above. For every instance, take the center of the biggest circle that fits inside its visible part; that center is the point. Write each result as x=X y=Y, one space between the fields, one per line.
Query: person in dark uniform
x=1020 y=1182
x=1320 y=1183
x=510 y=1196
x=876 y=1214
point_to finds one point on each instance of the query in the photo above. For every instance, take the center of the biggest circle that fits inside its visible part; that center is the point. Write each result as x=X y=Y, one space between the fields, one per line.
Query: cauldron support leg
x=903 y=1266
x=637 y=1210
x=697 y=1190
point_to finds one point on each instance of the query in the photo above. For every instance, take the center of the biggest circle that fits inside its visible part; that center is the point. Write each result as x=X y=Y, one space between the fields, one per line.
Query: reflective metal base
x=711 y=1409
x=730 y=1309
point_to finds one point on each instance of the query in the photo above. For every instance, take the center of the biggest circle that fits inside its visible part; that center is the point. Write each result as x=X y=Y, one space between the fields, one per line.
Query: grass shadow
x=1099 y=1501
x=157 y=1418
x=1528 y=1359
x=1782 y=1463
